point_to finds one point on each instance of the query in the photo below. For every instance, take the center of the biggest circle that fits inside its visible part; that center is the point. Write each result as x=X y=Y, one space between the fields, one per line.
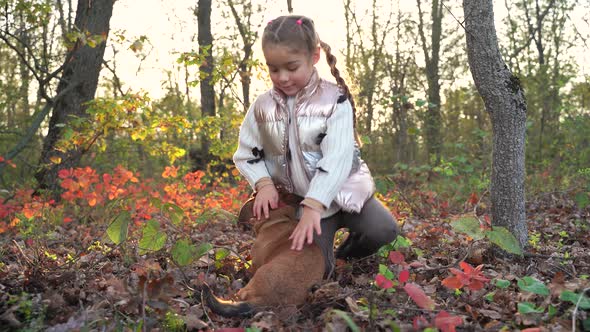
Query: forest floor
x=74 y=280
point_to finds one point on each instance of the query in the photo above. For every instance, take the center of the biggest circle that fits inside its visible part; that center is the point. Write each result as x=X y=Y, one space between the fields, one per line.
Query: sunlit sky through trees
x=171 y=27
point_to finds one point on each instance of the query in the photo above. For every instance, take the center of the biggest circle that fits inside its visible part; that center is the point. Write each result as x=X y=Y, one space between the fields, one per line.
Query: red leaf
x=452 y=283
x=418 y=295
x=473 y=199
x=471 y=277
x=396 y=257
x=531 y=329
x=475 y=285
x=404 y=276
x=382 y=282
x=466 y=267
x=447 y=323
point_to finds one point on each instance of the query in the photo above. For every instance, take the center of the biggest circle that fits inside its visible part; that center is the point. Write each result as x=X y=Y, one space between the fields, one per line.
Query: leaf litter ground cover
x=433 y=277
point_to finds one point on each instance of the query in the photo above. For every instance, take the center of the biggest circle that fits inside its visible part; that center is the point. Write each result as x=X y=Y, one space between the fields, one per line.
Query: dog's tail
x=226 y=308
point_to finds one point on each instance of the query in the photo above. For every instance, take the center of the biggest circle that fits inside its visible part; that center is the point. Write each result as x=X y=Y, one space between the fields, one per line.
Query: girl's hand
x=267 y=198
x=310 y=221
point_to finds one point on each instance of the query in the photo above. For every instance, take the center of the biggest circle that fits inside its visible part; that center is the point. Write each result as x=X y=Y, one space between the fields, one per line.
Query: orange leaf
x=170 y=172
x=452 y=283
x=418 y=295
x=29 y=212
x=466 y=267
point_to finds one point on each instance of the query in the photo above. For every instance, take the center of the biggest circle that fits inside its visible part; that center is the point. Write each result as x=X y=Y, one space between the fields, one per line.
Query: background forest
x=94 y=168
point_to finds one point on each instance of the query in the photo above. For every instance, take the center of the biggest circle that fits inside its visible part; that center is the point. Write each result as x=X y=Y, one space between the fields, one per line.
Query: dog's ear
x=246 y=213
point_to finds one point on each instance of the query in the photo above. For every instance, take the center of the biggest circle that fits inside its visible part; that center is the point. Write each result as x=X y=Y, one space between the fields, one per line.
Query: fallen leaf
x=396 y=257
x=418 y=296
x=382 y=282
x=404 y=276
x=490 y=313
x=446 y=322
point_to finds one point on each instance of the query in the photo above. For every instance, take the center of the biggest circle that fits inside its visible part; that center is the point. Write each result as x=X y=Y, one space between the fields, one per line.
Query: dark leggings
x=368 y=230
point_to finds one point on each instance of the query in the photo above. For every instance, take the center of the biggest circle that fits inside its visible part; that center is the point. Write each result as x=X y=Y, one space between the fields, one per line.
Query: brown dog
x=281 y=276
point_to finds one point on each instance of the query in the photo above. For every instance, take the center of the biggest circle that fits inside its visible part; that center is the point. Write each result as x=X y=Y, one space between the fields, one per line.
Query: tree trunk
x=504 y=101
x=77 y=86
x=205 y=39
x=432 y=57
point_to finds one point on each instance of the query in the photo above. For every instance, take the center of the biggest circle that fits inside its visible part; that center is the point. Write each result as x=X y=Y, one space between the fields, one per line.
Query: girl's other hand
x=267 y=198
x=310 y=221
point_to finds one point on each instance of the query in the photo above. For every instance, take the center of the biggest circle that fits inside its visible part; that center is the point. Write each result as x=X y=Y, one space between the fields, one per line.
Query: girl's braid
x=331 y=59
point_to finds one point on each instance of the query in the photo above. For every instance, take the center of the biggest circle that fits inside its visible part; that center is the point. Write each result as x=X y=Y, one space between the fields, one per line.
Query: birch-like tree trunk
x=504 y=101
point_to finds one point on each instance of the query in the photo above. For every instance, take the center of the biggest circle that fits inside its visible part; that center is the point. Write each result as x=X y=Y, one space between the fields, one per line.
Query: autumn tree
x=504 y=101
x=402 y=77
x=75 y=80
x=242 y=12
x=539 y=39
x=205 y=39
x=77 y=85
x=365 y=51
x=27 y=53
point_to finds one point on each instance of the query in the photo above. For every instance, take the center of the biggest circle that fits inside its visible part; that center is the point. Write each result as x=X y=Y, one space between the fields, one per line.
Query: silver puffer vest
x=314 y=105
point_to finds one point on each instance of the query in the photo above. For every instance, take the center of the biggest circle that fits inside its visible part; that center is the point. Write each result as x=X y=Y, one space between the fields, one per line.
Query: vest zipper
x=288 y=148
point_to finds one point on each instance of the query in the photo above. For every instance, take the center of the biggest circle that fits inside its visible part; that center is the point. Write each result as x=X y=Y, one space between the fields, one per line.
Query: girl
x=299 y=137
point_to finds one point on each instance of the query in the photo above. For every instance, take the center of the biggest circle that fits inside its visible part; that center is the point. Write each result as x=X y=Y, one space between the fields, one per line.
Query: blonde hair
x=299 y=33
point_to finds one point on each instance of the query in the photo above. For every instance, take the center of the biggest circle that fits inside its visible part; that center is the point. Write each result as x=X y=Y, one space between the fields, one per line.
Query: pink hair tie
x=269 y=22
x=299 y=22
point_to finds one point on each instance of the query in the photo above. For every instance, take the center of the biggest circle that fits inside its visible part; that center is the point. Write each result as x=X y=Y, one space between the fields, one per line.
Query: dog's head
x=283 y=213
x=246 y=214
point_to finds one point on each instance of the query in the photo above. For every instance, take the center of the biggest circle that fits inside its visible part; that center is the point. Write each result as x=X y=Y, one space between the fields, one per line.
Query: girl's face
x=289 y=71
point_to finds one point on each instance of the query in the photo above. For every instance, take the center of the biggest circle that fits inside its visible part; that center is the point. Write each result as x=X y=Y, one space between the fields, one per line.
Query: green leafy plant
x=500 y=236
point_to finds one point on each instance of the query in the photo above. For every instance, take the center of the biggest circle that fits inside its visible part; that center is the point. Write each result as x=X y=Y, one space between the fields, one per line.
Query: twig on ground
x=563 y=269
x=452 y=264
x=22 y=253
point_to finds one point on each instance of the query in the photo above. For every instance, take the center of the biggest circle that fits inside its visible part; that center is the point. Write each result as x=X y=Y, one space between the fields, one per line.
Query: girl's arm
x=338 y=151
x=251 y=166
x=332 y=171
